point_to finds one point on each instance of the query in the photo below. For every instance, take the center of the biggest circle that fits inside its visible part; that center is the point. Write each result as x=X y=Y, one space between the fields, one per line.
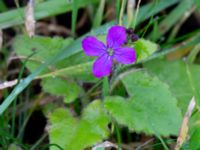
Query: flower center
x=110 y=51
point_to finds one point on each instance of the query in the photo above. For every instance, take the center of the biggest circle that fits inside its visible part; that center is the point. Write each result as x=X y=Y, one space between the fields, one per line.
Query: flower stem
x=106 y=87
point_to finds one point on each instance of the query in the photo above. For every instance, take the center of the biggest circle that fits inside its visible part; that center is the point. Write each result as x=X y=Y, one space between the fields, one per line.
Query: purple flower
x=114 y=50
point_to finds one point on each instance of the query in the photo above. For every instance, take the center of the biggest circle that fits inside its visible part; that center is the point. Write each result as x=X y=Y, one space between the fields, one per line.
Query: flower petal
x=116 y=36
x=92 y=46
x=125 y=55
x=102 y=66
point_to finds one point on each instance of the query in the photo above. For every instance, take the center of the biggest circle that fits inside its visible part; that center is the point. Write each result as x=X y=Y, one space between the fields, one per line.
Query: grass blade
x=99 y=14
x=42 y=10
x=172 y=19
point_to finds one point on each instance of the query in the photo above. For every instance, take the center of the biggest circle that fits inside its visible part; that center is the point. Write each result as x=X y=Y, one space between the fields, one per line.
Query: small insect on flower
x=131 y=35
x=113 y=50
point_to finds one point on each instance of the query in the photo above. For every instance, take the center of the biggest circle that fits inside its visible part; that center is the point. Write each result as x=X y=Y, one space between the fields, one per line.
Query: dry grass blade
x=7 y=84
x=184 y=127
x=29 y=18
x=177 y=27
x=122 y=12
x=136 y=13
x=130 y=11
x=105 y=144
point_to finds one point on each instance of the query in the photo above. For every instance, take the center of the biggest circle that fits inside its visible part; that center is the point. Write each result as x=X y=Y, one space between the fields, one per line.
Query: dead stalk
x=29 y=18
x=184 y=127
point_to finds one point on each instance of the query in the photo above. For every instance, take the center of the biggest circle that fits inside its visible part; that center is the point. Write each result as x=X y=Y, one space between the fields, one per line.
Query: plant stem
x=122 y=12
x=136 y=14
x=119 y=138
x=39 y=141
x=130 y=11
x=193 y=53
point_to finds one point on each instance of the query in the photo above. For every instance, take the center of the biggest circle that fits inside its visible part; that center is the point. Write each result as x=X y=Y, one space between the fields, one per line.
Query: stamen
x=110 y=51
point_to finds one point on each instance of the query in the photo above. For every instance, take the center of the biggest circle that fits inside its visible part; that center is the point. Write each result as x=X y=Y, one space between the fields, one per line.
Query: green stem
x=162 y=142
x=50 y=145
x=15 y=101
x=118 y=134
x=24 y=124
x=85 y=96
x=39 y=141
x=24 y=66
x=118 y=8
x=74 y=16
x=105 y=89
x=15 y=140
x=13 y=117
x=3 y=6
x=99 y=14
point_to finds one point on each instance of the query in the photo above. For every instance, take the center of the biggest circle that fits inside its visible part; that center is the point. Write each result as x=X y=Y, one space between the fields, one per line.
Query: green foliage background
x=149 y=97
